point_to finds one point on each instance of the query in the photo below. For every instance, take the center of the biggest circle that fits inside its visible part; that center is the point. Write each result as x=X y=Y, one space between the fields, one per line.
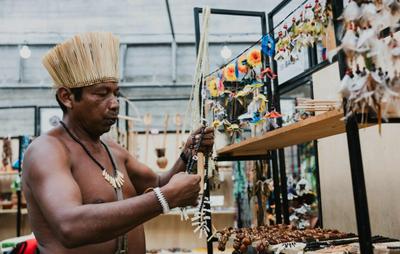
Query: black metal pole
x=37 y=124
x=277 y=191
x=282 y=172
x=317 y=176
x=196 y=13
x=19 y=195
x=359 y=189
x=281 y=152
x=355 y=155
x=209 y=223
x=318 y=185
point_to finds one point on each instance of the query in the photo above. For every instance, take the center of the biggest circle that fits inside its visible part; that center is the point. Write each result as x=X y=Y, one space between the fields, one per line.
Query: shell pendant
x=116 y=181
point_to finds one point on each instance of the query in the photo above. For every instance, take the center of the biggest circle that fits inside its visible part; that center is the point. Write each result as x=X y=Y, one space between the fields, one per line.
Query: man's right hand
x=182 y=190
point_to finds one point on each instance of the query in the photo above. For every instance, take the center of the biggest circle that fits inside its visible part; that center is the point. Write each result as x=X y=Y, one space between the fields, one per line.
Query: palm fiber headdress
x=84 y=60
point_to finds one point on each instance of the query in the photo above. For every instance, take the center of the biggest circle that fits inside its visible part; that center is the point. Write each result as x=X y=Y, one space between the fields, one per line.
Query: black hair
x=77 y=92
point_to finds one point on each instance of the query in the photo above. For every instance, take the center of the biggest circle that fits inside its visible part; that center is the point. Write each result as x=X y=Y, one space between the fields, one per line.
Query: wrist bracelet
x=162 y=200
x=183 y=157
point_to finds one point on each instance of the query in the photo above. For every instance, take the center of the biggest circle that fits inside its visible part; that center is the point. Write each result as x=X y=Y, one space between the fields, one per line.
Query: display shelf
x=6 y=173
x=13 y=211
x=323 y=125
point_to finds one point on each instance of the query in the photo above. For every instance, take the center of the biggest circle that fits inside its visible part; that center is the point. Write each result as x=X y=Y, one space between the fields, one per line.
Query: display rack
x=320 y=126
x=265 y=63
x=36 y=127
x=323 y=125
x=19 y=211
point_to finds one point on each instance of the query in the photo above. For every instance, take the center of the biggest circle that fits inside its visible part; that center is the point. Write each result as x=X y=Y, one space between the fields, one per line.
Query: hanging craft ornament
x=307 y=29
x=7 y=154
x=196 y=108
x=162 y=160
x=147 y=120
x=254 y=57
x=370 y=83
x=230 y=73
x=268 y=45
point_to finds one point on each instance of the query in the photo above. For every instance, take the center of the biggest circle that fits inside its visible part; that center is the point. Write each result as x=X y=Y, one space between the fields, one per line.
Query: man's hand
x=182 y=190
x=207 y=142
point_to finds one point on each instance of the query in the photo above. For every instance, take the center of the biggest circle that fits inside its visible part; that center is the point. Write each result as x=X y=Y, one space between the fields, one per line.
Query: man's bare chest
x=92 y=184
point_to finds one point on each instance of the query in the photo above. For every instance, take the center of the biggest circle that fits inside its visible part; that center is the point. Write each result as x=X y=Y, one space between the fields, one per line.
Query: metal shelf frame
x=265 y=62
x=351 y=129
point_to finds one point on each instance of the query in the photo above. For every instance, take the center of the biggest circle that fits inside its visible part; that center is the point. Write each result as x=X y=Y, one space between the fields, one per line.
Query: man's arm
x=50 y=181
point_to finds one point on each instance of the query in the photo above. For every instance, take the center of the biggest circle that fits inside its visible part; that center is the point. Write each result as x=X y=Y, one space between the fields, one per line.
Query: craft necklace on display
x=116 y=181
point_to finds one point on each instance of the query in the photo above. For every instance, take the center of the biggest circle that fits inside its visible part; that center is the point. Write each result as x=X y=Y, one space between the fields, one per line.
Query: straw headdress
x=84 y=60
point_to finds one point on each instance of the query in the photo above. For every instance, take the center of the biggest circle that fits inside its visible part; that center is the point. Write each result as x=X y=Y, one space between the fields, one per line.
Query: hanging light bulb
x=226 y=53
x=25 y=52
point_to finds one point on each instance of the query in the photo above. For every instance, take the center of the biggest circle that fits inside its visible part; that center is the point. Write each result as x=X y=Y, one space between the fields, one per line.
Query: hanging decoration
x=162 y=160
x=196 y=106
x=372 y=82
x=268 y=45
x=235 y=90
x=178 y=125
x=147 y=120
x=7 y=154
x=306 y=29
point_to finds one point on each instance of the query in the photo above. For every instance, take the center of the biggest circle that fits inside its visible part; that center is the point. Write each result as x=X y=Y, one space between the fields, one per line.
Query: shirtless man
x=72 y=207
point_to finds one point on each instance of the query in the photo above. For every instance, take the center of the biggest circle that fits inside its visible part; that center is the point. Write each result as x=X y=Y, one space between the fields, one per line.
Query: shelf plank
x=13 y=211
x=8 y=173
x=313 y=128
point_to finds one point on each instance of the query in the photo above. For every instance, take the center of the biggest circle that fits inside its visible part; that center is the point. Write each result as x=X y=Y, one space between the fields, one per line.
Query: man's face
x=98 y=107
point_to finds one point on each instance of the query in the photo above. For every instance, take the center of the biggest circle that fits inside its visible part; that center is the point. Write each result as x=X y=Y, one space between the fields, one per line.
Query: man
x=85 y=195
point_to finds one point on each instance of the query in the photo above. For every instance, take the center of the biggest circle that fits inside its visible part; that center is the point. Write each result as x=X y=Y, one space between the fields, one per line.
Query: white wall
x=381 y=168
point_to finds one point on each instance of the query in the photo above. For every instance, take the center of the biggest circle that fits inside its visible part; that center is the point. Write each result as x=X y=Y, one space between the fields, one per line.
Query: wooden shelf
x=13 y=211
x=315 y=127
x=7 y=173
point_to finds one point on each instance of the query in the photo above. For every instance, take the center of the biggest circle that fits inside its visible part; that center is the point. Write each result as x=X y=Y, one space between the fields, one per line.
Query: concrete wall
x=148 y=70
x=381 y=167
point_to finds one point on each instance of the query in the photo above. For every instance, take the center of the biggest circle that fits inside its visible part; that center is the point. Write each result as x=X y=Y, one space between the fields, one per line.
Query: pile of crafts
x=268 y=238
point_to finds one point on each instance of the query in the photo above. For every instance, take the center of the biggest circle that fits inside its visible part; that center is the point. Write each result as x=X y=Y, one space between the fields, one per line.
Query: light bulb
x=25 y=52
x=226 y=53
x=154 y=131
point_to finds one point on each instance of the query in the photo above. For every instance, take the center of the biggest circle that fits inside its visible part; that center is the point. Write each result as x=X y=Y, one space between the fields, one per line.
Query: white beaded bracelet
x=162 y=200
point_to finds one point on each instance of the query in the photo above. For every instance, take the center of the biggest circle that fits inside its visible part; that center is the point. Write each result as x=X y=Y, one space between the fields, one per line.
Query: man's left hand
x=207 y=142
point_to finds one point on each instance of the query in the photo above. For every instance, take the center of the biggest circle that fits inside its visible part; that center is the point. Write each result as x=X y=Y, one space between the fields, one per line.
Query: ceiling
x=136 y=21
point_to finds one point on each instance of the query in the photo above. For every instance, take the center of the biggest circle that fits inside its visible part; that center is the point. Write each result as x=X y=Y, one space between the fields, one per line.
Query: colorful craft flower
x=212 y=87
x=273 y=114
x=216 y=123
x=254 y=58
x=221 y=87
x=263 y=102
x=229 y=72
x=242 y=64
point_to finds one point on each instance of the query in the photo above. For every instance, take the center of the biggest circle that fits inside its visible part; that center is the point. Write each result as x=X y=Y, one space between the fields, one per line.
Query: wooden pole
x=200 y=170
